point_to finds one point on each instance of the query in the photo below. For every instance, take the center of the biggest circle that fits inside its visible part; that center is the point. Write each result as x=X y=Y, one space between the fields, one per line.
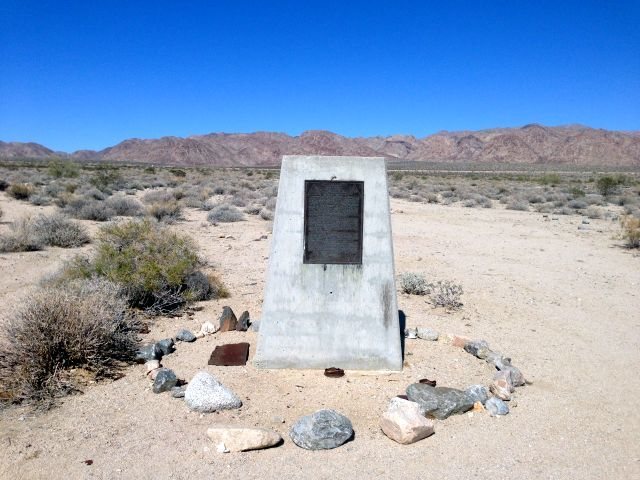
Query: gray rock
x=479 y=393
x=255 y=326
x=166 y=346
x=478 y=348
x=165 y=380
x=502 y=386
x=426 y=333
x=498 y=360
x=495 y=406
x=321 y=430
x=440 y=402
x=243 y=322
x=517 y=378
x=185 y=335
x=178 y=392
x=148 y=352
x=410 y=333
x=205 y=393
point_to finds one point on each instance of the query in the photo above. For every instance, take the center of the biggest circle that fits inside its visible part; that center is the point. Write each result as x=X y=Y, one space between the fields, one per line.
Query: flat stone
x=241 y=439
x=166 y=346
x=228 y=320
x=205 y=393
x=178 y=392
x=426 y=333
x=479 y=393
x=404 y=422
x=495 y=406
x=439 y=402
x=243 y=322
x=231 y=354
x=148 y=352
x=185 y=335
x=321 y=430
x=165 y=380
x=477 y=348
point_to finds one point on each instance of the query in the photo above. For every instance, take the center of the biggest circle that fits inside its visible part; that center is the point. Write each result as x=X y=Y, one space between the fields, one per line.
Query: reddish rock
x=459 y=341
x=228 y=320
x=404 y=422
x=232 y=354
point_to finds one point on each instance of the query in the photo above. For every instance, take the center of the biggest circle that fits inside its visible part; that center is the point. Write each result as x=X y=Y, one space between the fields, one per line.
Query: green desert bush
x=152 y=265
x=63 y=169
x=607 y=185
x=224 y=213
x=20 y=191
x=83 y=324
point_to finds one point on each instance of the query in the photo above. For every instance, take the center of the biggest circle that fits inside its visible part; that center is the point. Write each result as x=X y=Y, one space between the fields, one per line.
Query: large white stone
x=319 y=316
x=404 y=422
x=204 y=393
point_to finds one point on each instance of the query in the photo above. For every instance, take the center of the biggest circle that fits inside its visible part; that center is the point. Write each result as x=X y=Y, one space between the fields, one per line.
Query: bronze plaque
x=333 y=222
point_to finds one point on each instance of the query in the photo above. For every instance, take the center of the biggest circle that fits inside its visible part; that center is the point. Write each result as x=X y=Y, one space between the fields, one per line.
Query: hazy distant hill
x=573 y=144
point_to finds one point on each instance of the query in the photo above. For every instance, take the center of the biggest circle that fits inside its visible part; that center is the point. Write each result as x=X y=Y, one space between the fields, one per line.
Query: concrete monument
x=330 y=298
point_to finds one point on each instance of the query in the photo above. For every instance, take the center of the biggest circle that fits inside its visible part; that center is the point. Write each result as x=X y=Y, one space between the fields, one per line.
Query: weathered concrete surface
x=319 y=316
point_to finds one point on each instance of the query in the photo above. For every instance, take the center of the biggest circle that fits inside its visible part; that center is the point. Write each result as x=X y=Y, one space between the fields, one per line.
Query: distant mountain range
x=531 y=144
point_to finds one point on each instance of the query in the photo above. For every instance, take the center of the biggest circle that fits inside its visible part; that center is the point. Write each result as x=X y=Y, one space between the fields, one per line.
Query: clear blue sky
x=89 y=74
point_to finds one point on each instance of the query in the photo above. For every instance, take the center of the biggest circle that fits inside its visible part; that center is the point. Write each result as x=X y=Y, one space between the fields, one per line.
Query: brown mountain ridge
x=531 y=144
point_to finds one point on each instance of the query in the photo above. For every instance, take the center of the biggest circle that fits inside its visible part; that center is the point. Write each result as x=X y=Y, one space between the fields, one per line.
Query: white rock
x=208 y=328
x=152 y=365
x=241 y=439
x=205 y=393
x=426 y=333
x=221 y=448
x=404 y=422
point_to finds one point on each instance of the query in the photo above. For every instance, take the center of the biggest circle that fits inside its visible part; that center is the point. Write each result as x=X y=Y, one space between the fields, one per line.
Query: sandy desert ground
x=563 y=303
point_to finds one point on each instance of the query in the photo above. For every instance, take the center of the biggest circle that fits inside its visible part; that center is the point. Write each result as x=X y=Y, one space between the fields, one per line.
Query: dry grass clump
x=156 y=268
x=631 y=231
x=34 y=233
x=225 y=213
x=84 y=324
x=441 y=293
x=414 y=283
x=168 y=211
x=20 y=191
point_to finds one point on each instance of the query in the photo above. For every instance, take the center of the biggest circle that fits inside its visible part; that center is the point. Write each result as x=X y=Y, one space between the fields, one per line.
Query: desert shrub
x=157 y=196
x=544 y=207
x=414 y=283
x=631 y=231
x=266 y=214
x=1 y=212
x=95 y=194
x=253 y=209
x=39 y=200
x=536 y=198
x=147 y=260
x=3 y=185
x=88 y=209
x=34 y=233
x=58 y=231
x=124 y=206
x=193 y=202
x=550 y=179
x=20 y=191
x=21 y=238
x=84 y=324
x=515 y=204
x=168 y=212
x=66 y=169
x=106 y=179
x=224 y=213
x=607 y=185
x=577 y=192
x=445 y=294
x=178 y=173
x=577 y=204
x=218 y=190
x=593 y=212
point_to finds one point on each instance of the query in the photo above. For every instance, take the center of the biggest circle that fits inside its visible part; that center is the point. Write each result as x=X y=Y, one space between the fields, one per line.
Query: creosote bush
x=155 y=267
x=83 y=324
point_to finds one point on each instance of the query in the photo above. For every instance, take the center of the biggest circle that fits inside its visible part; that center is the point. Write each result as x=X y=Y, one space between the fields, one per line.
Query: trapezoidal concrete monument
x=330 y=297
